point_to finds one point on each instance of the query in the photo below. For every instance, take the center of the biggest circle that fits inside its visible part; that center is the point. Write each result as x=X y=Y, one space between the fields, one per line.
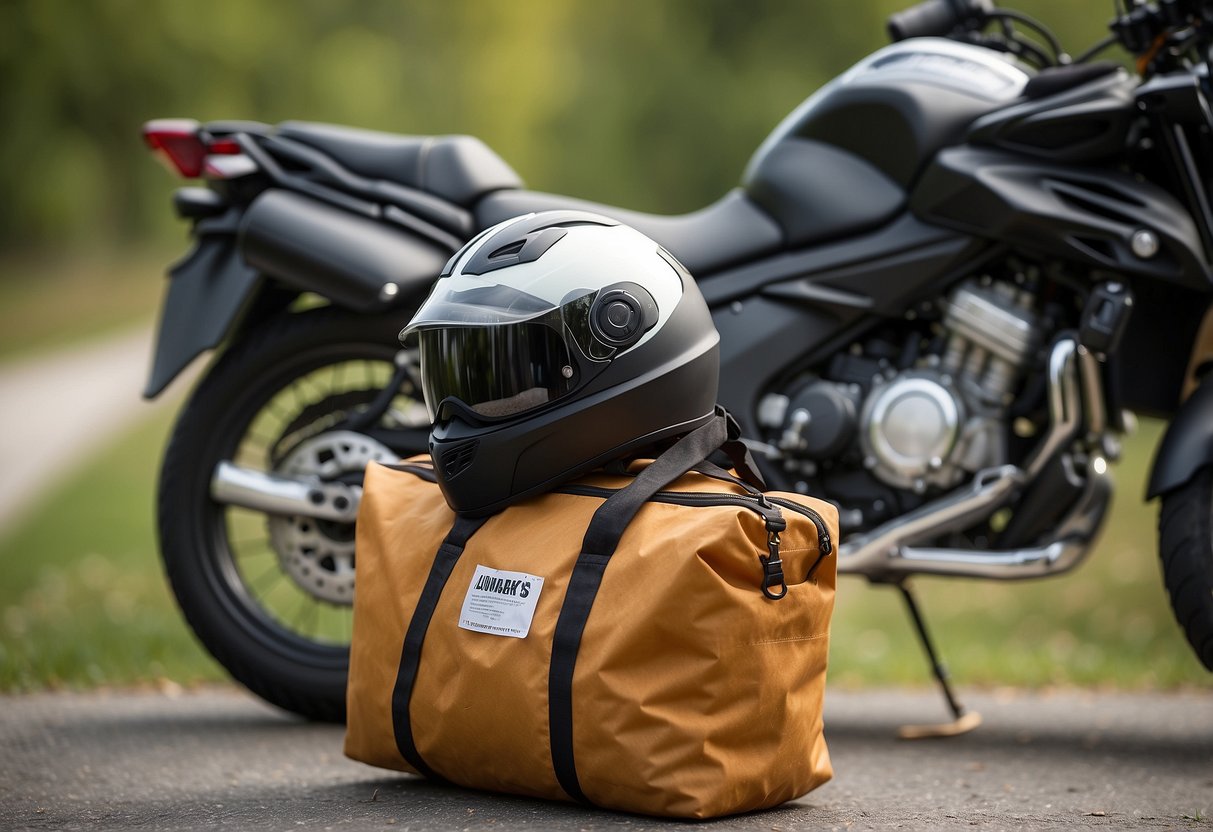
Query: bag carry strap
x=614 y=515
x=714 y=471
x=739 y=453
x=601 y=539
x=410 y=655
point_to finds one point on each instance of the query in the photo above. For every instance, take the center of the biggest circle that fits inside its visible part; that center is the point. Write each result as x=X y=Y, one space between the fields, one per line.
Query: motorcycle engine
x=914 y=419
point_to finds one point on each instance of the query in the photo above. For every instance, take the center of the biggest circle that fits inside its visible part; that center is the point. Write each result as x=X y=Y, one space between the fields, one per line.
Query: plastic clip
x=772 y=568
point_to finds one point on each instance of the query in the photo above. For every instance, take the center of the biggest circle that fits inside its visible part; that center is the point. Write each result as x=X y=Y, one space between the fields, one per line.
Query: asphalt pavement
x=218 y=758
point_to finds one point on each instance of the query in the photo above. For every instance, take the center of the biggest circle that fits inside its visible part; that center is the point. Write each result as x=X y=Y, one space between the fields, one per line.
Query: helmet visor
x=496 y=371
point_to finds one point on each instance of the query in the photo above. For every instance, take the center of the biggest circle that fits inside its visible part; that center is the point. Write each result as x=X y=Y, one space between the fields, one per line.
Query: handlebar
x=1141 y=25
x=937 y=18
x=1159 y=33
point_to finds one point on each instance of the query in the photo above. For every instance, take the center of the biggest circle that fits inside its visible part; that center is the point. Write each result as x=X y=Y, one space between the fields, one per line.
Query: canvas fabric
x=692 y=694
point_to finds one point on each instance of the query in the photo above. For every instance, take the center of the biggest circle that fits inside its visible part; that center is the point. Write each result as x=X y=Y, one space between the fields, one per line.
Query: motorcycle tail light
x=176 y=142
x=224 y=147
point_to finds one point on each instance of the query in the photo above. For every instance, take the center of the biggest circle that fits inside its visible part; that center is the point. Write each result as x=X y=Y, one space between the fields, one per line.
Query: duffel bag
x=652 y=640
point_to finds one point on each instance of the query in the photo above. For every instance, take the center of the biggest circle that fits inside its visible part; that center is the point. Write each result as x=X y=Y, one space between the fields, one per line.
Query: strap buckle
x=772 y=567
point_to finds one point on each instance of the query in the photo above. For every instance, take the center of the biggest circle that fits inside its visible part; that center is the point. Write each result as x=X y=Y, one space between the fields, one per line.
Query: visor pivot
x=618 y=318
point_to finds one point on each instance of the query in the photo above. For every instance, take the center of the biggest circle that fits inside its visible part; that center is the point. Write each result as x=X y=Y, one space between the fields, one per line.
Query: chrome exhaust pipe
x=876 y=554
x=888 y=551
x=236 y=485
x=879 y=557
x=1067 y=548
x=1065 y=406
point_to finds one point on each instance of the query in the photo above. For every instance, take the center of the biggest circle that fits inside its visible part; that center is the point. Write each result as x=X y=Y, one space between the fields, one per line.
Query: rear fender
x=207 y=292
x=281 y=246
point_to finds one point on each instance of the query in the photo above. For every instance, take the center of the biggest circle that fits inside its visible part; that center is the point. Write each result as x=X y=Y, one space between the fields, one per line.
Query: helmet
x=552 y=344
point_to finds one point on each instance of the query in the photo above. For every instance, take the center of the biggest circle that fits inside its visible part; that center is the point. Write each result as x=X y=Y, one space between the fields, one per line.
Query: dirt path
x=58 y=407
x=219 y=758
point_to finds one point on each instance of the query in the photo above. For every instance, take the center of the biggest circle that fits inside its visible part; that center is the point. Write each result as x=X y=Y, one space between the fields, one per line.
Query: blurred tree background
x=653 y=105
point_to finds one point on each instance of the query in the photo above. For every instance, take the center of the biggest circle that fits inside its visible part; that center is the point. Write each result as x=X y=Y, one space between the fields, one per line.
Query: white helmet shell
x=569 y=262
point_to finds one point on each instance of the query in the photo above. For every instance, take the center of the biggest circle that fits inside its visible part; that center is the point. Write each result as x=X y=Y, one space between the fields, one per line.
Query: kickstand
x=963 y=721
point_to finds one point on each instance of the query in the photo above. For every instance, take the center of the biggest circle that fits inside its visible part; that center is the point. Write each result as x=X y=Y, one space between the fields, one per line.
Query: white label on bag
x=500 y=603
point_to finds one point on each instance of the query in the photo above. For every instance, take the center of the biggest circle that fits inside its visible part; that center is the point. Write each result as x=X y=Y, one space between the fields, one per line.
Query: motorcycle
x=942 y=282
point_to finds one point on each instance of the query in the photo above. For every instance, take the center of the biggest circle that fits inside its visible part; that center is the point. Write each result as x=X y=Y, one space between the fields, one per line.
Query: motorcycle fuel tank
x=843 y=160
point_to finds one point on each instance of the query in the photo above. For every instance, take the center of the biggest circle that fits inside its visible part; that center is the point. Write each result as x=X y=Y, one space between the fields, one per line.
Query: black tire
x=296 y=671
x=1185 y=529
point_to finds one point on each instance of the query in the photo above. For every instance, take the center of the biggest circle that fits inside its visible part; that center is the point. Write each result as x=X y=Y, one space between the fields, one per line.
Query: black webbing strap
x=600 y=542
x=714 y=471
x=613 y=516
x=739 y=454
x=410 y=655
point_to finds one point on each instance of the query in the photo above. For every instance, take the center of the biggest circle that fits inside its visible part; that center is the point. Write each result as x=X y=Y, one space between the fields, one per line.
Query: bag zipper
x=765 y=506
x=774 y=584
x=690 y=498
x=760 y=504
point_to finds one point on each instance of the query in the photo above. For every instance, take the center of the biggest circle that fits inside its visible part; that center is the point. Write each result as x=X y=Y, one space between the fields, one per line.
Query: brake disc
x=319 y=554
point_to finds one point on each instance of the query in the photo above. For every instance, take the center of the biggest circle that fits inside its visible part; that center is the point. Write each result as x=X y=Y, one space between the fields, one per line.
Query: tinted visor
x=496 y=371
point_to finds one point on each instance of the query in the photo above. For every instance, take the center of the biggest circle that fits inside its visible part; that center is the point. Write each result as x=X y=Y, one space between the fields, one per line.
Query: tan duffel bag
x=653 y=640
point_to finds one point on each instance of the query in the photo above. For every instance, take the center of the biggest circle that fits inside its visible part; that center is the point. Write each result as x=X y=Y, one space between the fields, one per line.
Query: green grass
x=84 y=602
x=50 y=300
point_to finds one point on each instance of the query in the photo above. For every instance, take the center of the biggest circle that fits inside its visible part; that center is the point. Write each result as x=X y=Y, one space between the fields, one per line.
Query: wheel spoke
x=259 y=545
x=295 y=387
x=317 y=383
x=300 y=409
x=275 y=410
x=258 y=587
x=261 y=438
x=306 y=605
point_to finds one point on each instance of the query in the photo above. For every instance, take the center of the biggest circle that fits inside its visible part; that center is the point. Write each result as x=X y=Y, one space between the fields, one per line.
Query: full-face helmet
x=552 y=344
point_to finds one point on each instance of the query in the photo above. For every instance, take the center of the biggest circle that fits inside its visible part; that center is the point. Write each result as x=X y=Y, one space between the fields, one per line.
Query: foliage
x=655 y=106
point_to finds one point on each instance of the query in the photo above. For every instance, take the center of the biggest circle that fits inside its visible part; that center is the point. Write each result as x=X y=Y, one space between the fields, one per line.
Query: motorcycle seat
x=729 y=231
x=460 y=169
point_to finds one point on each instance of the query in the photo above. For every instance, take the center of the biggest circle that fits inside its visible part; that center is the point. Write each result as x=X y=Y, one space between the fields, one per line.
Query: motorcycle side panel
x=759 y=338
x=207 y=292
x=1087 y=123
x=314 y=247
x=879 y=271
x=1083 y=215
x=1187 y=445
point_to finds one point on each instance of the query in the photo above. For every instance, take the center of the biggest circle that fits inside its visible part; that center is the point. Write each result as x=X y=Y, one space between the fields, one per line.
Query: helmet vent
x=506 y=251
x=456 y=459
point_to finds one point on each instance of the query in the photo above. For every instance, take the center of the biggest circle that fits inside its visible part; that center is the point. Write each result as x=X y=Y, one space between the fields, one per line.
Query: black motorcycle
x=943 y=280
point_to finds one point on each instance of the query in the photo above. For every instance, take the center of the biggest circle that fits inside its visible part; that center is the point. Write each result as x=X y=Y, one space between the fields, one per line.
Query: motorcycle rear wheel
x=263 y=397
x=1185 y=529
